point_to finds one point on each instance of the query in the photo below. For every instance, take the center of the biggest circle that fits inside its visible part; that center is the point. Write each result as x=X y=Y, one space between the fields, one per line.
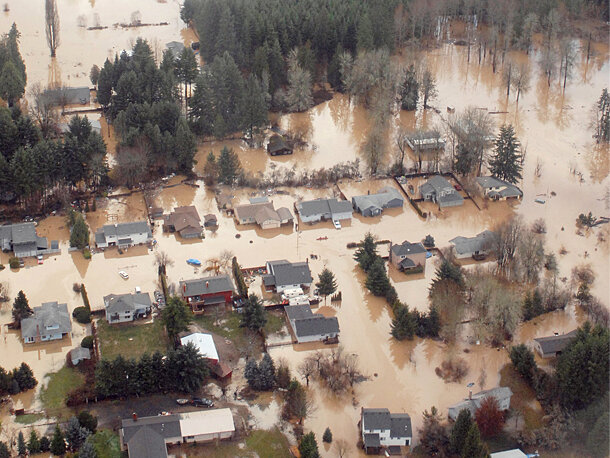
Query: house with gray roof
x=381 y=429
x=175 y=47
x=184 y=220
x=497 y=189
x=22 y=239
x=374 y=204
x=126 y=307
x=123 y=234
x=264 y=214
x=68 y=96
x=312 y=211
x=408 y=256
x=206 y=292
x=438 y=190
x=50 y=321
x=479 y=246
x=551 y=346
x=473 y=401
x=282 y=275
x=79 y=354
x=311 y=327
x=278 y=146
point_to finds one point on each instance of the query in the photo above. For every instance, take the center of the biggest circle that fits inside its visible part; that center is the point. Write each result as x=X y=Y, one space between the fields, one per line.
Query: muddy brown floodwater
x=553 y=127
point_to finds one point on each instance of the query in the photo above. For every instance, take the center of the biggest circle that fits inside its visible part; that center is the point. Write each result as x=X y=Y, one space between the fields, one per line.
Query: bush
x=87 y=342
x=76 y=287
x=2 y=267
x=327 y=436
x=82 y=315
x=86 y=253
x=13 y=262
x=87 y=420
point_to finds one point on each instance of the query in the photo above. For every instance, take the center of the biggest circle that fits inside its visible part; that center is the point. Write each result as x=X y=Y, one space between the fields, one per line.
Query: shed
x=79 y=354
x=278 y=146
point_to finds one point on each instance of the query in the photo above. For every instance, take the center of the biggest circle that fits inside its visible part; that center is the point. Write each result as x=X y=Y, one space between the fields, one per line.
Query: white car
x=123 y=274
x=337 y=224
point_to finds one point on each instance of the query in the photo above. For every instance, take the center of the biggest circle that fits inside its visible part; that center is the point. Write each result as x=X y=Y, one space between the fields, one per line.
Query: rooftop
x=48 y=315
x=206 y=285
x=288 y=273
x=315 y=325
x=324 y=206
x=206 y=422
x=481 y=242
x=379 y=200
x=406 y=248
x=184 y=217
x=203 y=342
x=120 y=303
x=553 y=344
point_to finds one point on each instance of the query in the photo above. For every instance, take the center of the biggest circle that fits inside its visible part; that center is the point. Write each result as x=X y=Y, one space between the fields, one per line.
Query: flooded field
x=553 y=127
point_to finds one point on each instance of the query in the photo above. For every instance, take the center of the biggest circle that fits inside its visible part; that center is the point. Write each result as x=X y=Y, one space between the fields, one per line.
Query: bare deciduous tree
x=307 y=368
x=43 y=111
x=342 y=447
x=163 y=260
x=508 y=236
x=52 y=25
x=521 y=79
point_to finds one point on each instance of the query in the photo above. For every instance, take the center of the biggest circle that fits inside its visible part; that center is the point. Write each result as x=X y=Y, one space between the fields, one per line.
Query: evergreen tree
x=367 y=252
x=210 y=170
x=104 y=84
x=252 y=375
x=603 y=117
x=308 y=447
x=21 y=448
x=433 y=435
x=238 y=275
x=34 y=442
x=94 y=74
x=186 y=69
x=532 y=305
x=404 y=324
x=186 y=369
x=5 y=381
x=449 y=271
x=4 y=451
x=266 y=371
x=365 y=33
x=255 y=107
x=228 y=165
x=296 y=404
x=176 y=316
x=277 y=67
x=409 y=90
x=299 y=93
x=326 y=284
x=506 y=161
x=460 y=431
x=377 y=281
x=21 y=308
x=253 y=316
x=87 y=451
x=75 y=434
x=327 y=436
x=12 y=86
x=45 y=444
x=185 y=146
x=598 y=437
x=25 y=377
x=89 y=421
x=57 y=446
x=473 y=446
x=79 y=235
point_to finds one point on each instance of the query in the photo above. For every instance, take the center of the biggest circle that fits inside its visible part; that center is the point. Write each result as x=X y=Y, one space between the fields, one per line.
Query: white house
x=380 y=429
x=50 y=321
x=312 y=211
x=473 y=402
x=123 y=234
x=207 y=425
x=282 y=275
x=311 y=327
x=126 y=307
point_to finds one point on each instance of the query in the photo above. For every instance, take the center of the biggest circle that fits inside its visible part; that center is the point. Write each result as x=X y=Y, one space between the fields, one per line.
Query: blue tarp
x=194 y=262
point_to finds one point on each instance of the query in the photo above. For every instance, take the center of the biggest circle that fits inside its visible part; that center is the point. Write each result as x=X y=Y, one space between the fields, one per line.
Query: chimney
x=184 y=288
x=470 y=395
x=134 y=416
x=207 y=284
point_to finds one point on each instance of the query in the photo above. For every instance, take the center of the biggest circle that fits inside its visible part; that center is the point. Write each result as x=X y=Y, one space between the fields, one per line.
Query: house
x=496 y=189
x=148 y=437
x=514 y=453
x=473 y=401
x=380 y=429
x=283 y=275
x=263 y=214
x=50 y=321
x=408 y=256
x=312 y=211
x=68 y=96
x=123 y=234
x=185 y=221
x=549 y=347
x=479 y=246
x=374 y=204
x=79 y=354
x=207 y=292
x=22 y=239
x=278 y=146
x=225 y=202
x=126 y=307
x=438 y=190
x=175 y=47
x=210 y=220
x=207 y=348
x=258 y=199
x=156 y=212
x=311 y=327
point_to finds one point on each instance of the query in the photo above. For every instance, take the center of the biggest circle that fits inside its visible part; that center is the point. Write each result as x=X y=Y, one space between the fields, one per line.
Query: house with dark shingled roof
x=381 y=429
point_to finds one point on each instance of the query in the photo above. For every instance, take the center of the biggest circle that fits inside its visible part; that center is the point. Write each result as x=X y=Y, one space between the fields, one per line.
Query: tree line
x=19 y=379
x=142 y=100
x=182 y=369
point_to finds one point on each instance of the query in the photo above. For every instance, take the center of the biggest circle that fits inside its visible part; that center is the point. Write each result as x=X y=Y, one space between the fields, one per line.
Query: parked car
x=124 y=275
x=39 y=258
x=202 y=402
x=337 y=224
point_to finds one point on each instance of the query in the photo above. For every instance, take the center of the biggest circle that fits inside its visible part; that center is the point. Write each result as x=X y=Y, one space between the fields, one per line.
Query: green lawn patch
x=53 y=396
x=29 y=418
x=268 y=444
x=227 y=326
x=130 y=340
x=275 y=322
x=107 y=444
x=523 y=399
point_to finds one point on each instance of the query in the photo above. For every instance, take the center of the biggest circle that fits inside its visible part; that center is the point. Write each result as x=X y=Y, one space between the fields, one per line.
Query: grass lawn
x=228 y=327
x=263 y=444
x=107 y=444
x=275 y=322
x=524 y=398
x=29 y=418
x=60 y=384
x=129 y=340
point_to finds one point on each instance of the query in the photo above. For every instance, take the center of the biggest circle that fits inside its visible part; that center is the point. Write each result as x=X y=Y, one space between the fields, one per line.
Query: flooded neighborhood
x=378 y=283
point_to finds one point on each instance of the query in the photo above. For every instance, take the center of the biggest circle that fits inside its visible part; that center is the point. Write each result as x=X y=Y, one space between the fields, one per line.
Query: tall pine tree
x=506 y=161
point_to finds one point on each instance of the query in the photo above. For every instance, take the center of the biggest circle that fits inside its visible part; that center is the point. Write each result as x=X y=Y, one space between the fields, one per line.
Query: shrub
x=86 y=253
x=82 y=315
x=76 y=287
x=13 y=262
x=87 y=342
x=2 y=267
x=327 y=436
x=87 y=420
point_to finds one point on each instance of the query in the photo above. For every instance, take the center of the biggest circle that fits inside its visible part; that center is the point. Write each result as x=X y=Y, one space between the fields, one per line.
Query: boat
x=182 y=402
x=193 y=262
x=322 y=238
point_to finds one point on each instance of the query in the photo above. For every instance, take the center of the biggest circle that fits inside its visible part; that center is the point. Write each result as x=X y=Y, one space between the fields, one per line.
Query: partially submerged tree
x=428 y=87
x=327 y=283
x=21 y=308
x=299 y=92
x=506 y=161
x=602 y=129
x=52 y=25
